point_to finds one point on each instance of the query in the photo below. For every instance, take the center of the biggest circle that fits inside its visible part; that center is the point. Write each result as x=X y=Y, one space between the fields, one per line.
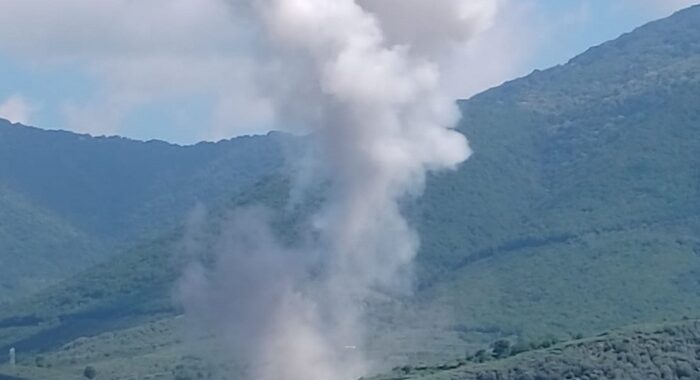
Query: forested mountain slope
x=579 y=212
x=68 y=201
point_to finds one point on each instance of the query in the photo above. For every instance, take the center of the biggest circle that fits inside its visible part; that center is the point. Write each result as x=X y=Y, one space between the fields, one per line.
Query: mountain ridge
x=577 y=213
x=109 y=193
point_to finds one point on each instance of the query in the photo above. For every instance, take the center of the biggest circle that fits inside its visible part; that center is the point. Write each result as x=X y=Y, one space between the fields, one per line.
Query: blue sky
x=592 y=22
x=175 y=69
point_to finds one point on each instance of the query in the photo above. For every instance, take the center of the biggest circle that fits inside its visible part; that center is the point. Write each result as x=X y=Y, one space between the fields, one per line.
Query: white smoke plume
x=372 y=96
x=431 y=26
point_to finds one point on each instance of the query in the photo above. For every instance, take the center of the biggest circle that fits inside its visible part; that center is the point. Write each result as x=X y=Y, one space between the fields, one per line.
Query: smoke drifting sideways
x=371 y=98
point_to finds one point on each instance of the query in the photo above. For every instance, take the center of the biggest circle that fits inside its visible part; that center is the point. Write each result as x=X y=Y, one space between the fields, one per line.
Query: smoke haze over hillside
x=380 y=122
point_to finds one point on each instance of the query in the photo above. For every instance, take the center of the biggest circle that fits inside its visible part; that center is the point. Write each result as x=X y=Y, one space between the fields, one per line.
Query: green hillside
x=115 y=187
x=129 y=289
x=159 y=350
x=579 y=212
x=33 y=242
x=69 y=201
x=663 y=351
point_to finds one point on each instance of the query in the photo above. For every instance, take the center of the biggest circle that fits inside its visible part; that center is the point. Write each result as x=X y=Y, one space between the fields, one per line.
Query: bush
x=482 y=356
x=501 y=349
x=520 y=347
x=90 y=372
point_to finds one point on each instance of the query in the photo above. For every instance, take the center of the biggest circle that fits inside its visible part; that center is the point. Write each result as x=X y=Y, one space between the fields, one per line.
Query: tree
x=90 y=372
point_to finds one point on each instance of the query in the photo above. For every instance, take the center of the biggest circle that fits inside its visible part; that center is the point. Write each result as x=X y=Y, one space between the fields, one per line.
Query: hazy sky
x=180 y=70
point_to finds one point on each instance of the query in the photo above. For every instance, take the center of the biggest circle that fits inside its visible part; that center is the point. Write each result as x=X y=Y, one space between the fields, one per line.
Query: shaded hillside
x=117 y=188
x=69 y=201
x=37 y=246
x=134 y=287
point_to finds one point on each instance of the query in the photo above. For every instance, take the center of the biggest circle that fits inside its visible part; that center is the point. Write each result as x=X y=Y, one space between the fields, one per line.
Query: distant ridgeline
x=579 y=211
x=70 y=201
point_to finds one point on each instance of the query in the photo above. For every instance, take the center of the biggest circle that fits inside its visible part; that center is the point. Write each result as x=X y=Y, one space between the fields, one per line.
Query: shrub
x=482 y=356
x=501 y=349
x=90 y=372
x=520 y=347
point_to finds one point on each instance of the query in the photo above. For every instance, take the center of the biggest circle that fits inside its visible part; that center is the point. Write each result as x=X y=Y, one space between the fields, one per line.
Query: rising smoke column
x=382 y=123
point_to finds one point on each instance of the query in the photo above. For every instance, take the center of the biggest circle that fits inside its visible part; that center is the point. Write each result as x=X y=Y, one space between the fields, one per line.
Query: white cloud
x=140 y=53
x=484 y=43
x=147 y=52
x=499 y=53
x=428 y=25
x=16 y=109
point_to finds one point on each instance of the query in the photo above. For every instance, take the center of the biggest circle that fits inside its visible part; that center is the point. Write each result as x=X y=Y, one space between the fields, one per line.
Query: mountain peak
x=653 y=57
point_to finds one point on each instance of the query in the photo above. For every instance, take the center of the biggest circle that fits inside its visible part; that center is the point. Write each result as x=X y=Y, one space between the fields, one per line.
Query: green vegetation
x=579 y=212
x=666 y=351
x=89 y=372
x=68 y=201
x=130 y=289
x=34 y=245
